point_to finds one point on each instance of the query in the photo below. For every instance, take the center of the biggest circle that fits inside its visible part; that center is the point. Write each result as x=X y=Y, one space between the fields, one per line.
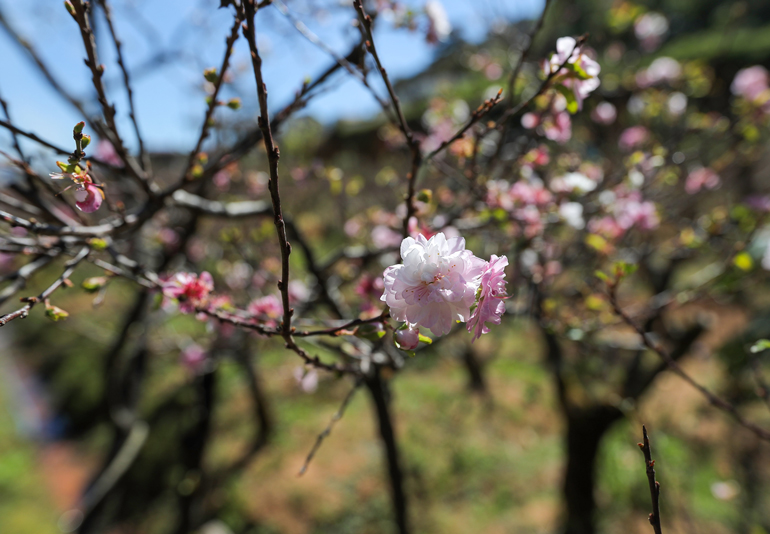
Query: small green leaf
x=601 y=275
x=759 y=346
x=425 y=339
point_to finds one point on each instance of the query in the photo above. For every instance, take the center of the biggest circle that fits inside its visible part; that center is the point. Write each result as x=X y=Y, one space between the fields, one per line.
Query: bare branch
x=328 y=430
x=654 y=485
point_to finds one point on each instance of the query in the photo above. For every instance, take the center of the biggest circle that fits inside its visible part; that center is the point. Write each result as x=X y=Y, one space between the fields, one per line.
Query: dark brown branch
x=378 y=391
x=674 y=366
x=213 y=98
x=328 y=430
x=525 y=54
x=654 y=485
x=143 y=157
x=414 y=145
x=108 y=110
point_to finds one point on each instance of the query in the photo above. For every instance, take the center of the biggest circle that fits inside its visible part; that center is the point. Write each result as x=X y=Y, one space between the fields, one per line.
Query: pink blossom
x=408 y=338
x=700 y=178
x=194 y=358
x=604 y=113
x=370 y=286
x=650 y=29
x=106 y=152
x=267 y=310
x=385 y=237
x=568 y=52
x=663 y=69
x=191 y=291
x=307 y=379
x=633 y=137
x=530 y=120
x=558 y=127
x=607 y=227
x=491 y=305
x=88 y=198
x=435 y=286
x=439 y=26
x=751 y=83
x=632 y=212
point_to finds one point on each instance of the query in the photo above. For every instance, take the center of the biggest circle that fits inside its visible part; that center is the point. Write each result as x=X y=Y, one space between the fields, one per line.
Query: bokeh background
x=482 y=433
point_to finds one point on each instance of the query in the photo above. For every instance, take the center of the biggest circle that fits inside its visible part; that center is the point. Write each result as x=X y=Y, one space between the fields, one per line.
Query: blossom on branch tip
x=88 y=195
x=436 y=285
x=491 y=305
x=580 y=73
x=190 y=290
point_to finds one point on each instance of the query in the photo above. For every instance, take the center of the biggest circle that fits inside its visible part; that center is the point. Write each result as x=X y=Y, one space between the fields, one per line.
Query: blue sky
x=170 y=99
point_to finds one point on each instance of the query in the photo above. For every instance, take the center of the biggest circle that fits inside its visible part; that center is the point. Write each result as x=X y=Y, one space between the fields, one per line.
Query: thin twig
x=477 y=115
x=413 y=144
x=144 y=160
x=69 y=268
x=213 y=97
x=654 y=485
x=108 y=110
x=336 y=417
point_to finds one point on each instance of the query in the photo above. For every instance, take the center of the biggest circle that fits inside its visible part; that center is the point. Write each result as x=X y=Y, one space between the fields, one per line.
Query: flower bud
x=85 y=141
x=234 y=103
x=70 y=8
x=425 y=195
x=408 y=338
x=78 y=127
x=94 y=284
x=211 y=75
x=55 y=313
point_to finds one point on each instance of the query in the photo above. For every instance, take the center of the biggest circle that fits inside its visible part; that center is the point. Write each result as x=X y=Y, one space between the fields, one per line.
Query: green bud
x=211 y=75
x=94 y=284
x=97 y=243
x=70 y=7
x=234 y=103
x=196 y=171
x=425 y=195
x=79 y=127
x=203 y=158
x=85 y=141
x=55 y=313
x=63 y=166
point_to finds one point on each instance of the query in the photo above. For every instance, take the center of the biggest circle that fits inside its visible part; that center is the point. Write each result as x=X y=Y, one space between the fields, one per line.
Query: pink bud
x=408 y=338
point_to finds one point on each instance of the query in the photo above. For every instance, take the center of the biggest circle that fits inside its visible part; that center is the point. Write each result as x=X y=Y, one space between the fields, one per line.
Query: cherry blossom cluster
x=575 y=76
x=441 y=283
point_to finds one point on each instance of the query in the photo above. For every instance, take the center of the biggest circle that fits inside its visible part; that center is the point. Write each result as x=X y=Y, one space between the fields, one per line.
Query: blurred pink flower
x=491 y=305
x=267 y=310
x=663 y=69
x=558 y=127
x=751 y=83
x=633 y=137
x=604 y=113
x=700 y=178
x=106 y=152
x=606 y=227
x=434 y=287
x=190 y=290
x=194 y=358
x=307 y=379
x=439 y=26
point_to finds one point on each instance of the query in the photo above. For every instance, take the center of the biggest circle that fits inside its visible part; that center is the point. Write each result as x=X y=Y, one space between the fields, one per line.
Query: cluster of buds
x=88 y=195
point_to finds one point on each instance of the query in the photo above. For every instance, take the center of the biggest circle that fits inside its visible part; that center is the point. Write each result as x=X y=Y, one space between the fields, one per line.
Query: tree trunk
x=585 y=429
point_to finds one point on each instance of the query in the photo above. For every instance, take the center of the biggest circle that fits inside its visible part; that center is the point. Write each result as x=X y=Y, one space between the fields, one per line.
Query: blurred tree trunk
x=585 y=430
